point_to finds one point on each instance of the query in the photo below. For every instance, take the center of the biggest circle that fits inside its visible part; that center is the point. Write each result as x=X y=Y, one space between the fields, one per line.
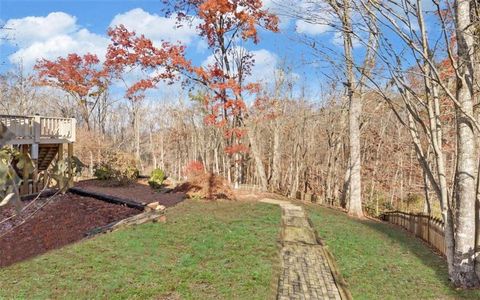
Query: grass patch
x=380 y=261
x=214 y=250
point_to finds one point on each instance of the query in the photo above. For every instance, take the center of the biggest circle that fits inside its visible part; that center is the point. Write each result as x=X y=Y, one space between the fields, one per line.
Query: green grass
x=216 y=250
x=380 y=261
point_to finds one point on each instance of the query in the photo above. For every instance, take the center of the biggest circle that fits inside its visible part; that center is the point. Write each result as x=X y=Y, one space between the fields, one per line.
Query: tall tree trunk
x=464 y=256
x=475 y=15
x=152 y=150
x=466 y=172
x=426 y=188
x=355 y=186
x=276 y=156
x=162 y=152
x=257 y=156
x=435 y=127
x=355 y=110
x=215 y=154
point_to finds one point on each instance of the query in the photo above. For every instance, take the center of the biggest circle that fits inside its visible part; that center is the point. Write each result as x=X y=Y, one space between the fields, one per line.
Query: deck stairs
x=46 y=154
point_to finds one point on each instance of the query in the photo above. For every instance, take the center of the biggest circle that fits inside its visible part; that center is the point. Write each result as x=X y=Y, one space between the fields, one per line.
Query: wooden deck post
x=70 y=171
x=60 y=152
x=25 y=175
x=35 y=176
x=34 y=156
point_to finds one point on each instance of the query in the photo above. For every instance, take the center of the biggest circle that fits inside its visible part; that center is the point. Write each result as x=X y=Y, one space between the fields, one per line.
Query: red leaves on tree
x=266 y=107
x=128 y=50
x=237 y=148
x=220 y=22
x=194 y=167
x=237 y=132
x=76 y=75
x=446 y=69
x=219 y=17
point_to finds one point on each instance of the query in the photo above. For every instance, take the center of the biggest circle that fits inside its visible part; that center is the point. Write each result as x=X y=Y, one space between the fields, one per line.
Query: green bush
x=118 y=167
x=156 y=178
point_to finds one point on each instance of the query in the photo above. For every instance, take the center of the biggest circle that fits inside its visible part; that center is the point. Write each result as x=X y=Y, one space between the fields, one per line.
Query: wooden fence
x=428 y=228
x=308 y=197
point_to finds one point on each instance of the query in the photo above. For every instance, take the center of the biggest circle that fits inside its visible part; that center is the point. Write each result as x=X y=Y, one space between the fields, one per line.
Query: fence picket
x=428 y=228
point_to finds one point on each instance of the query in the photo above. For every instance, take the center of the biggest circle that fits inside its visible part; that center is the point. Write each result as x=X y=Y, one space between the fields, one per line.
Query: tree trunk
x=215 y=154
x=152 y=150
x=427 y=209
x=464 y=256
x=276 y=157
x=258 y=159
x=355 y=110
x=354 y=113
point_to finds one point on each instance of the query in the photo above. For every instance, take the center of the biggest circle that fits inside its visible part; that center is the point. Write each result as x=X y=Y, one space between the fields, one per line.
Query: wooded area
x=395 y=125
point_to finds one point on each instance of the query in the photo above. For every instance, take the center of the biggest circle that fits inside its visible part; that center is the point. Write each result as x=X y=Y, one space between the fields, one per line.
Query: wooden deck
x=29 y=130
x=44 y=139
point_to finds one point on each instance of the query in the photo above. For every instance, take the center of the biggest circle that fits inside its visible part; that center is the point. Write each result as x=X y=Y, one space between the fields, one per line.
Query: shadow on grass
x=383 y=261
x=409 y=242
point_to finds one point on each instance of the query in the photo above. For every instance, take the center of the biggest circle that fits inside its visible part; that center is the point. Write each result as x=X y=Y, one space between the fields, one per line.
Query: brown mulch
x=63 y=220
x=139 y=191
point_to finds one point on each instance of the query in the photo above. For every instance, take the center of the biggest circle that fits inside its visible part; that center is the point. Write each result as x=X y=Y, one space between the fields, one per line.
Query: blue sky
x=48 y=29
x=96 y=16
x=57 y=27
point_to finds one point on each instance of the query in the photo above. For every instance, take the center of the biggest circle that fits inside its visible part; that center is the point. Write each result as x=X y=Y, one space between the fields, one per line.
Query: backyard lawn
x=206 y=250
x=228 y=250
x=380 y=261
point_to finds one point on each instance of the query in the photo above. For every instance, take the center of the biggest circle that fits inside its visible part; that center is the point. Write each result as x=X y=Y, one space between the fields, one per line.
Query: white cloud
x=58 y=34
x=52 y=36
x=312 y=29
x=29 y=30
x=265 y=65
x=202 y=46
x=155 y=27
x=263 y=69
x=81 y=42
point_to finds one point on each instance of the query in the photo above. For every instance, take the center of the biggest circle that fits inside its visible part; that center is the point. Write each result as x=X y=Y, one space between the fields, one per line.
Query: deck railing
x=428 y=228
x=38 y=129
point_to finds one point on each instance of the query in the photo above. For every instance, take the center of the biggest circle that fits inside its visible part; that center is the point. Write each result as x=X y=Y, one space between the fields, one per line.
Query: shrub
x=156 y=178
x=118 y=167
x=206 y=186
x=194 y=168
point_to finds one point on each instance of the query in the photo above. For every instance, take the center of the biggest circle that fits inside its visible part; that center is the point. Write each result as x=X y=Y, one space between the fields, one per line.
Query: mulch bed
x=139 y=191
x=58 y=221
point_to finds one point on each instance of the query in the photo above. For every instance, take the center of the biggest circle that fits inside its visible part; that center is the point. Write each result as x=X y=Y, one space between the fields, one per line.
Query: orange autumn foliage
x=80 y=76
x=220 y=22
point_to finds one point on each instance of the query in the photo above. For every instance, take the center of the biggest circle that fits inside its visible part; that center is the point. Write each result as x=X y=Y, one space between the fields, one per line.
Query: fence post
x=426 y=227
x=308 y=197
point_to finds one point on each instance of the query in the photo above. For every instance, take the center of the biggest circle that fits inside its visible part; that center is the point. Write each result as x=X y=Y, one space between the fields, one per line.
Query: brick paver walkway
x=306 y=272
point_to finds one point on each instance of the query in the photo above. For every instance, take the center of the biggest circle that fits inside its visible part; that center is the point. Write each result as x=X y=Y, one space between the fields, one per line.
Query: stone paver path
x=305 y=269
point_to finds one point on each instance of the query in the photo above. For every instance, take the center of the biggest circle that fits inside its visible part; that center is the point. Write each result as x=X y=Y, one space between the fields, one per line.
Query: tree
x=467 y=158
x=338 y=15
x=82 y=77
x=424 y=113
x=223 y=24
